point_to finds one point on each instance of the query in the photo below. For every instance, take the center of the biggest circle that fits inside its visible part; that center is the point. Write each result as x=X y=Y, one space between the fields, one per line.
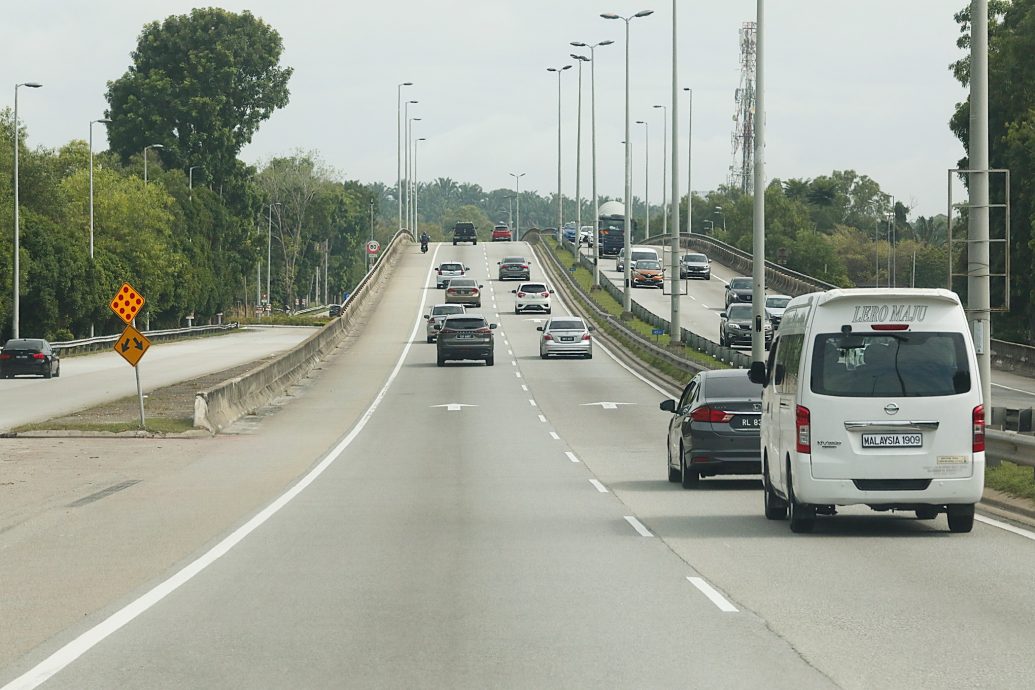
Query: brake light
x=38 y=355
x=547 y=336
x=524 y=266
x=5 y=355
x=520 y=294
x=978 y=417
x=484 y=330
x=710 y=414
x=545 y=294
x=803 y=425
x=890 y=327
x=585 y=336
x=474 y=291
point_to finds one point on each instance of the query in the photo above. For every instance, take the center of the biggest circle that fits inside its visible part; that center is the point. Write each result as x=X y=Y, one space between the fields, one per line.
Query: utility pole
x=758 y=241
x=978 y=296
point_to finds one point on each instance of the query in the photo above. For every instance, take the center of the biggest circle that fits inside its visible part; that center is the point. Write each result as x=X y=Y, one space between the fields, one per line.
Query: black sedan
x=714 y=427
x=33 y=356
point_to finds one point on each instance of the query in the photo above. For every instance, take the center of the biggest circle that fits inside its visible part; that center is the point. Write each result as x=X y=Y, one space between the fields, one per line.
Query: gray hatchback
x=714 y=427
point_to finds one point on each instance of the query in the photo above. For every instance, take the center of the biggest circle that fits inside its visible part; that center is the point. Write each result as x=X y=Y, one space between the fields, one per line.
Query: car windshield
x=894 y=364
x=533 y=287
x=452 y=267
x=732 y=387
x=465 y=323
x=447 y=309
x=655 y=265
x=777 y=302
x=739 y=312
x=740 y=283
x=566 y=325
x=695 y=258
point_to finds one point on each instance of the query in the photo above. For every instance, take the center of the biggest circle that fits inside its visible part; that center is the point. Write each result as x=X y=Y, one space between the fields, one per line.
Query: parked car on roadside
x=714 y=427
x=465 y=336
x=29 y=356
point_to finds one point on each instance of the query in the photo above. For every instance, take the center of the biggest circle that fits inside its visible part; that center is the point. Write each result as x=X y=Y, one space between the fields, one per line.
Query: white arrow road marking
x=607 y=405
x=454 y=407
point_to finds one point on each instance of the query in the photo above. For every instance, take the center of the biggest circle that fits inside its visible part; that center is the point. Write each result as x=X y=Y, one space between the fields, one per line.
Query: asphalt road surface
x=506 y=526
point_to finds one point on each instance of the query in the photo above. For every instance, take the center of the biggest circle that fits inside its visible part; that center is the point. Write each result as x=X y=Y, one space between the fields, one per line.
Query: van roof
x=856 y=294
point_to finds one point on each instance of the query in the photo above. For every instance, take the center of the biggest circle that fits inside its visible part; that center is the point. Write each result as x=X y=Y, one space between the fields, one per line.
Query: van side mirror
x=668 y=406
x=756 y=374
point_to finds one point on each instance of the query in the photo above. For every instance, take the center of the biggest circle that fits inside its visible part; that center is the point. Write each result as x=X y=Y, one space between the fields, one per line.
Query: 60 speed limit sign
x=373 y=247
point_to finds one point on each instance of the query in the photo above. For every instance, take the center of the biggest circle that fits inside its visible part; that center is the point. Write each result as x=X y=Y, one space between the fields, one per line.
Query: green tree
x=200 y=84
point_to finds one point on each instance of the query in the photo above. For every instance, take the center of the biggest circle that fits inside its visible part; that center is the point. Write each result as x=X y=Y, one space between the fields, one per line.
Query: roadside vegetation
x=1012 y=479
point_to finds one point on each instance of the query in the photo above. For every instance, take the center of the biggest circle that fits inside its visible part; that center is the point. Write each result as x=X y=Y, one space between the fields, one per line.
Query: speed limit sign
x=373 y=247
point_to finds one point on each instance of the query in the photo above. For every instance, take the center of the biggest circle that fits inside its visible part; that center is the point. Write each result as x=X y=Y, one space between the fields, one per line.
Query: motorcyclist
x=424 y=239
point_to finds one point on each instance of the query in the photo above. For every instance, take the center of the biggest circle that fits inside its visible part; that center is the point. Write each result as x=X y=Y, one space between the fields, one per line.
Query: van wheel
x=803 y=517
x=775 y=507
x=961 y=518
x=691 y=478
x=926 y=513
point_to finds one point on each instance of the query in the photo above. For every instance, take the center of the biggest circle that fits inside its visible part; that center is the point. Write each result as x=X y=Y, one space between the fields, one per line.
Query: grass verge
x=1012 y=479
x=174 y=425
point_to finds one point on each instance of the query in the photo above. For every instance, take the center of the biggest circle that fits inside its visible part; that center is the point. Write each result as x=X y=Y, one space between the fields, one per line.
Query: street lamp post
x=560 y=209
x=17 y=229
x=627 y=297
x=517 y=191
x=664 y=169
x=720 y=212
x=675 y=327
x=409 y=171
x=578 y=156
x=398 y=148
x=103 y=120
x=415 y=187
x=190 y=180
x=689 y=157
x=593 y=146
x=269 y=256
x=406 y=159
x=646 y=174
x=149 y=146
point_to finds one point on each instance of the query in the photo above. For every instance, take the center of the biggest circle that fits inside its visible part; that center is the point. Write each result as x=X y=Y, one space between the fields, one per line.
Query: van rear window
x=901 y=364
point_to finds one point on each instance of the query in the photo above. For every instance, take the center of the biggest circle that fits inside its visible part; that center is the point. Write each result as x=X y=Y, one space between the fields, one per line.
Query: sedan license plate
x=892 y=440
x=567 y=338
x=747 y=422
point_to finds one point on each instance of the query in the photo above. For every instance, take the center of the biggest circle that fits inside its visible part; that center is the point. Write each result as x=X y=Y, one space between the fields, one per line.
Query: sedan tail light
x=978 y=421
x=585 y=336
x=710 y=414
x=38 y=355
x=803 y=426
x=547 y=336
x=5 y=355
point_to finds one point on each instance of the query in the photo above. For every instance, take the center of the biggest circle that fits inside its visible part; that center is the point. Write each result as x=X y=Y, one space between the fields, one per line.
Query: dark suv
x=464 y=232
x=465 y=336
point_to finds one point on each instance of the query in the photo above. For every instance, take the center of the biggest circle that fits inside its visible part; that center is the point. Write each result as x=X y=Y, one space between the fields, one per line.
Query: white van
x=871 y=396
x=638 y=254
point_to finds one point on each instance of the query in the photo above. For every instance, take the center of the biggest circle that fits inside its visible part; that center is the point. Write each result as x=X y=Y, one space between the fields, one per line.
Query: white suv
x=532 y=297
x=447 y=270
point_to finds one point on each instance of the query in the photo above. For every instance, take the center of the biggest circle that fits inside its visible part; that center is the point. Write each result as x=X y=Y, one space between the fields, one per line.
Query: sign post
x=132 y=344
x=373 y=247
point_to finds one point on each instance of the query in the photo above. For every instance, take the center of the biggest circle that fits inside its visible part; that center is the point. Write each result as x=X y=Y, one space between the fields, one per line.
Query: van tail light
x=710 y=414
x=978 y=417
x=803 y=426
x=890 y=327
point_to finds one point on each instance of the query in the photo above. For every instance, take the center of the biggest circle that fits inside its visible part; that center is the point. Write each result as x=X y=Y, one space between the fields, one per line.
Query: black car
x=739 y=289
x=465 y=336
x=714 y=427
x=464 y=232
x=735 y=326
x=33 y=356
x=334 y=310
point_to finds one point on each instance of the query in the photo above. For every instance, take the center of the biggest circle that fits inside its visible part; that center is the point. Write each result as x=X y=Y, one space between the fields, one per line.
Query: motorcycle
x=423 y=247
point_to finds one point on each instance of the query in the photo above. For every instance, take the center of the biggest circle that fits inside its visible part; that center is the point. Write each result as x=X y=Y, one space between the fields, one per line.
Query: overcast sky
x=850 y=85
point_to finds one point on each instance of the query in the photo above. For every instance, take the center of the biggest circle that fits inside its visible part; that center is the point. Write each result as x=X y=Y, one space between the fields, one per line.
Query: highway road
x=88 y=380
x=705 y=299
x=469 y=527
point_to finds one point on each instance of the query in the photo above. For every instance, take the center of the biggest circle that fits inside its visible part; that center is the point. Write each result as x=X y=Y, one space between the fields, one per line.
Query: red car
x=501 y=233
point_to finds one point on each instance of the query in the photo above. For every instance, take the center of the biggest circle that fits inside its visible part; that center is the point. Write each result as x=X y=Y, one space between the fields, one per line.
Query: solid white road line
x=524 y=387
x=713 y=594
x=638 y=526
x=571 y=456
x=60 y=659
x=554 y=436
x=1006 y=526
x=517 y=374
x=542 y=419
x=531 y=402
x=1014 y=390
x=600 y=487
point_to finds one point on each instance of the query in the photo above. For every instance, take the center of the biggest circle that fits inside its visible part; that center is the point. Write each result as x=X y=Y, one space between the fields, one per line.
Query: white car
x=532 y=297
x=565 y=335
x=774 y=308
x=437 y=314
x=447 y=270
x=586 y=235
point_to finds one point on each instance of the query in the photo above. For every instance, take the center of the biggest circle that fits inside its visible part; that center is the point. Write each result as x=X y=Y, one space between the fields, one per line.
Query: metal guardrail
x=106 y=342
x=1010 y=446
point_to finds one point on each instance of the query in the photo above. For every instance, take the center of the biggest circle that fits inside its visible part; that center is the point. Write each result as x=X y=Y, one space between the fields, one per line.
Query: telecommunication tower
x=742 y=169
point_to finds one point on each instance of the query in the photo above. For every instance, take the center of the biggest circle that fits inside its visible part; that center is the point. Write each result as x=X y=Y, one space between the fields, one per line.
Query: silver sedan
x=566 y=335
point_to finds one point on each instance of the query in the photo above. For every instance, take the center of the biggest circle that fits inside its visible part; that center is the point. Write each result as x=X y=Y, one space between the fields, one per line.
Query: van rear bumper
x=843 y=492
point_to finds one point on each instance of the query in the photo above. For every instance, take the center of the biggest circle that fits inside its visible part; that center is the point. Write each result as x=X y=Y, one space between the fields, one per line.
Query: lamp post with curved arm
x=398 y=148
x=103 y=120
x=517 y=191
x=646 y=173
x=560 y=202
x=269 y=255
x=627 y=297
x=406 y=159
x=664 y=169
x=593 y=147
x=578 y=156
x=410 y=146
x=17 y=229
x=190 y=180
x=149 y=146
x=415 y=150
